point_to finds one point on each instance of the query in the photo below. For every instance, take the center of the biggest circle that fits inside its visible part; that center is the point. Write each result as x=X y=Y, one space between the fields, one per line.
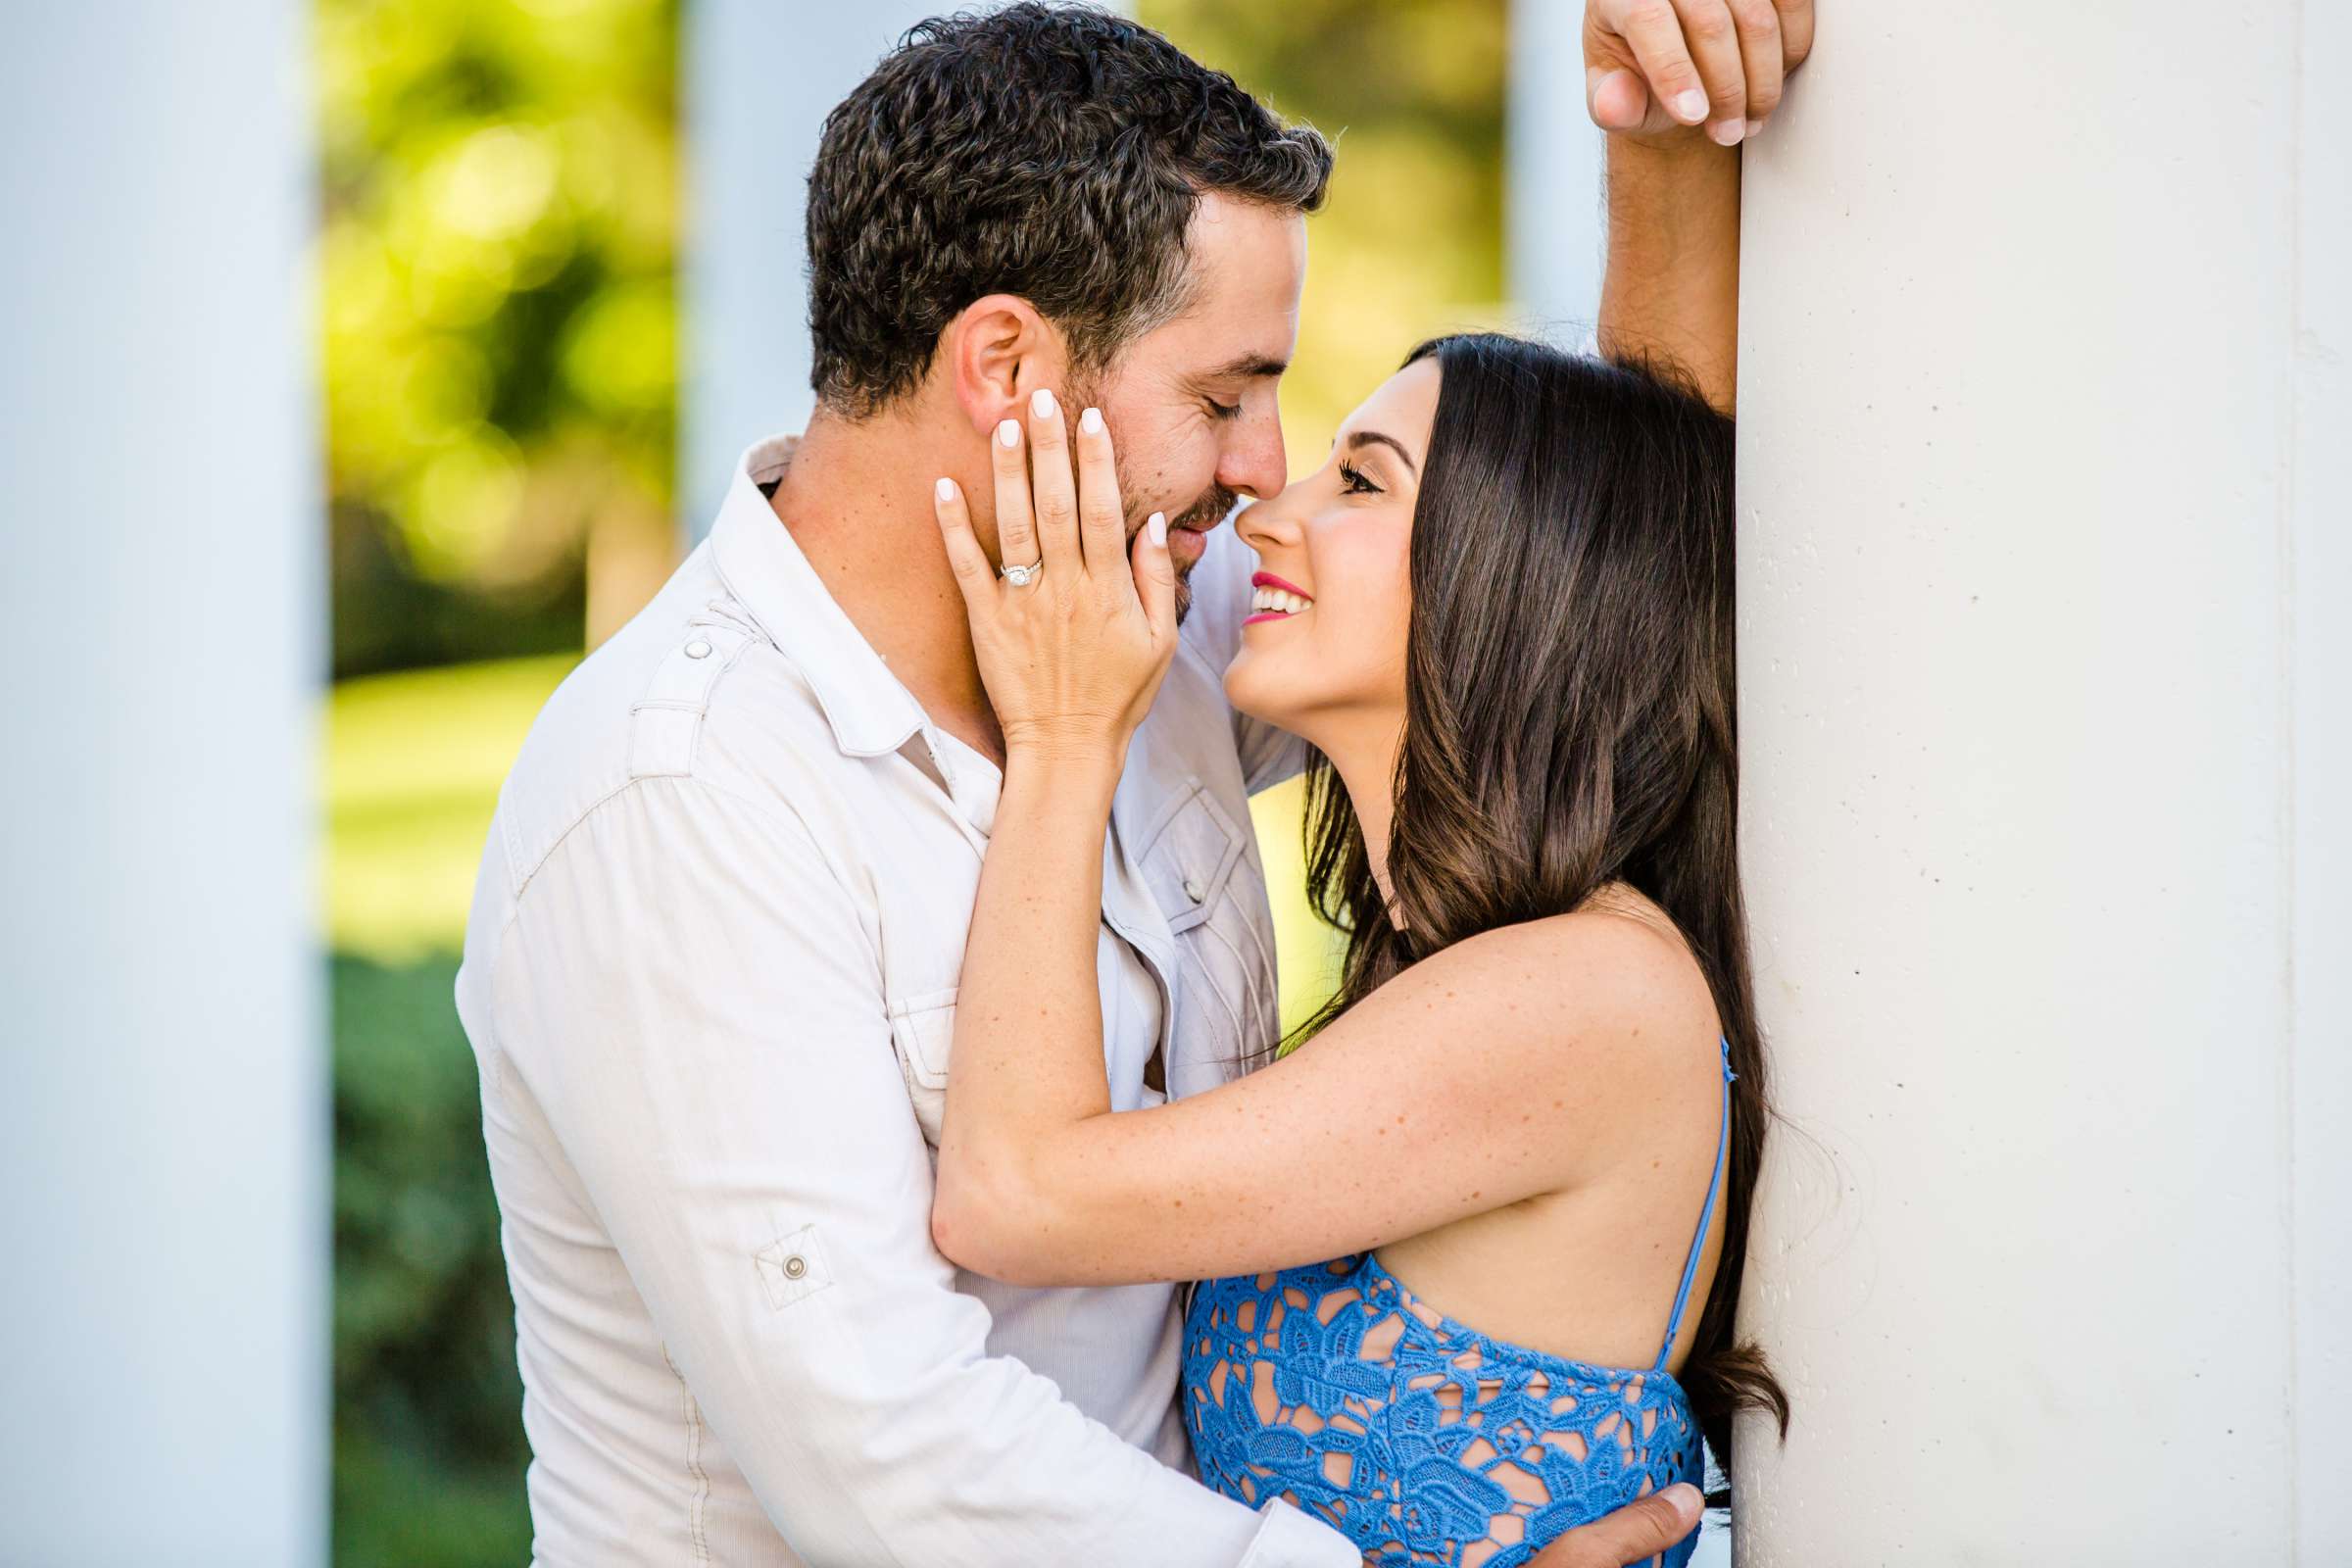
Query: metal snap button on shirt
x=1194 y=890
x=697 y=648
x=794 y=1266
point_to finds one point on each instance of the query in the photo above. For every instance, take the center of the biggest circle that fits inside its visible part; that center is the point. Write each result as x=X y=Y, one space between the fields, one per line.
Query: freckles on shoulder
x=1612 y=986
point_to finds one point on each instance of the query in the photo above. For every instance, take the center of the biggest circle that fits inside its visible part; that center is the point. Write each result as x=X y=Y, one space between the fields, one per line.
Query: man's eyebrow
x=1363 y=438
x=1249 y=366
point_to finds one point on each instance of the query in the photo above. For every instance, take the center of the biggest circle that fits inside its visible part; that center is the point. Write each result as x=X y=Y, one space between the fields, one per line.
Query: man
x=710 y=969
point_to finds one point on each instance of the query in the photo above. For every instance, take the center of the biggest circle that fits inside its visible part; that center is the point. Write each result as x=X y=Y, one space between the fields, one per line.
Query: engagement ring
x=1022 y=576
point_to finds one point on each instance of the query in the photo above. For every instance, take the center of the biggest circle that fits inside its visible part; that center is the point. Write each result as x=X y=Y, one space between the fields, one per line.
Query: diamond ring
x=1022 y=576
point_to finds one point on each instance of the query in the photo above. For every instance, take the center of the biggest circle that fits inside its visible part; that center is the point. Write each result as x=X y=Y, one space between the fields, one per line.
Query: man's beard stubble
x=1215 y=503
x=1207 y=512
x=1212 y=506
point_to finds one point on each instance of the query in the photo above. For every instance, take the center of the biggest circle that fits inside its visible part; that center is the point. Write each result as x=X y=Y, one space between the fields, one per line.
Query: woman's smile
x=1274 y=599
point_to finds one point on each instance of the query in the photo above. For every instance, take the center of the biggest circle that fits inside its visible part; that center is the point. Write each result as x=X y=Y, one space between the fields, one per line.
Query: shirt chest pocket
x=923 y=1033
x=1202 y=867
x=1191 y=858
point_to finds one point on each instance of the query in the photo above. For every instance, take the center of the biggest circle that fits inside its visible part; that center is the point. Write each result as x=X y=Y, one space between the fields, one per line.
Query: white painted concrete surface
x=163 y=1081
x=2044 y=575
x=2320 y=675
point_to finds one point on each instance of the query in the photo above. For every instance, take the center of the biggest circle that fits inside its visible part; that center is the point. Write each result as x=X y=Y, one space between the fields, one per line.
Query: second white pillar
x=2032 y=481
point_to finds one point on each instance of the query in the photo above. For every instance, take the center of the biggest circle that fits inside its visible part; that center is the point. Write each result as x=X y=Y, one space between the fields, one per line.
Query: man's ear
x=995 y=351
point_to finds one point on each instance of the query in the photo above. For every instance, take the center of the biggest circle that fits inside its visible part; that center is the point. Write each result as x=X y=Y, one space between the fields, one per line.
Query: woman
x=1471 y=1252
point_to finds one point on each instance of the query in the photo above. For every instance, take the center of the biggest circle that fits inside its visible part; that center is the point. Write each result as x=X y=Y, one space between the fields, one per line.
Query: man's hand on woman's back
x=1634 y=1534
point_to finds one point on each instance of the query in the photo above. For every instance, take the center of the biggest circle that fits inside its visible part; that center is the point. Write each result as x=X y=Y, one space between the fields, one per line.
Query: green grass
x=411 y=771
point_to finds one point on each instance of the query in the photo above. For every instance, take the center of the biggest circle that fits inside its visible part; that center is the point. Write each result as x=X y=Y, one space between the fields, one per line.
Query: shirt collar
x=870 y=710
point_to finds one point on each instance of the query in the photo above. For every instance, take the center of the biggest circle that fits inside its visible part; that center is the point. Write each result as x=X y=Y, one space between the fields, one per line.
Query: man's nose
x=1254 y=462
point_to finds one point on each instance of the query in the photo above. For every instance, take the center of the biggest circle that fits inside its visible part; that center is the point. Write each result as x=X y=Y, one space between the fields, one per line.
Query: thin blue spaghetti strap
x=1699 y=1242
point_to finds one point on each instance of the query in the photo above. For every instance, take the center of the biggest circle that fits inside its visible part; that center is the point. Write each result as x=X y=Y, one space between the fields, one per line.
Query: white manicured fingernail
x=945 y=488
x=1010 y=433
x=1091 y=421
x=1725 y=133
x=1158 y=522
x=1754 y=126
x=1691 y=106
x=1041 y=404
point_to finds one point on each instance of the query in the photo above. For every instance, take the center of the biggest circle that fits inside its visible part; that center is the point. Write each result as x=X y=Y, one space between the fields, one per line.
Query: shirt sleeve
x=709 y=1046
x=1212 y=631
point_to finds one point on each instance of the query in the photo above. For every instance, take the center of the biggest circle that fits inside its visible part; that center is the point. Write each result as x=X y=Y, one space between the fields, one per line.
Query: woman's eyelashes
x=1352 y=481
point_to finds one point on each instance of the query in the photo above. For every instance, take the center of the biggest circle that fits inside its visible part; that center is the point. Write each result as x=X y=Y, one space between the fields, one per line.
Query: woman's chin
x=1254 y=686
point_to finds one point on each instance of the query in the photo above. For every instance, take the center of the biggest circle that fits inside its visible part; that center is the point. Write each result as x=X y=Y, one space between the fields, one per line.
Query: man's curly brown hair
x=1052 y=152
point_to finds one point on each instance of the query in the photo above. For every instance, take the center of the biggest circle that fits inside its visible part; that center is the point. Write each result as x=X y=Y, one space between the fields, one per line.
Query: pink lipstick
x=1276 y=599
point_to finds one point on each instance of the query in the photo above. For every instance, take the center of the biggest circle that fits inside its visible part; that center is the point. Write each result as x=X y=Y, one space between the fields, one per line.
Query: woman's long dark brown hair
x=1569 y=718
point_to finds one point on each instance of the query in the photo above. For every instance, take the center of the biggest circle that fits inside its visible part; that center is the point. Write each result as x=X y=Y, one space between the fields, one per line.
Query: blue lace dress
x=1419 y=1438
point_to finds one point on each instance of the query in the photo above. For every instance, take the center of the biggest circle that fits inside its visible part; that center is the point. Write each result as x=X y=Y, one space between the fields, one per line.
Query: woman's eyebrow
x=1363 y=438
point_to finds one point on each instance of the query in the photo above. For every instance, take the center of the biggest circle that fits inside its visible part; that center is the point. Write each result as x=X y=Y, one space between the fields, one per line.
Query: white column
x=2318 y=569
x=163 y=1081
x=760 y=80
x=2045 y=569
x=1553 y=217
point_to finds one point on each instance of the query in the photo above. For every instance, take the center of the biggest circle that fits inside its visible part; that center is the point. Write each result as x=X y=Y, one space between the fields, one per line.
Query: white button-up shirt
x=709 y=979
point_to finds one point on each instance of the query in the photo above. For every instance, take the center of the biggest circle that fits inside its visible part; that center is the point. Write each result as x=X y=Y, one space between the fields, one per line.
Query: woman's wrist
x=1078 y=745
x=1070 y=777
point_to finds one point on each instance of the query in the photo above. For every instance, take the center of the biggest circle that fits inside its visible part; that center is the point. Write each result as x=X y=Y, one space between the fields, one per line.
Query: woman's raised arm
x=1562 y=1022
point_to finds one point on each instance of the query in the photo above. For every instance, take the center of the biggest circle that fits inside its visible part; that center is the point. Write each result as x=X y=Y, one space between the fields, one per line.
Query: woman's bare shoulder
x=1617 y=970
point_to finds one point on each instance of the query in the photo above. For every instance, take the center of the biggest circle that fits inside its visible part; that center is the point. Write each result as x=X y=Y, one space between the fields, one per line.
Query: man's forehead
x=1248 y=264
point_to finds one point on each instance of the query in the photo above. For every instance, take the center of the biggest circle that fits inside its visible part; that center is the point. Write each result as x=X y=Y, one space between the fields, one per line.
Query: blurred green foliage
x=1409 y=242
x=498 y=314
x=429 y=1452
